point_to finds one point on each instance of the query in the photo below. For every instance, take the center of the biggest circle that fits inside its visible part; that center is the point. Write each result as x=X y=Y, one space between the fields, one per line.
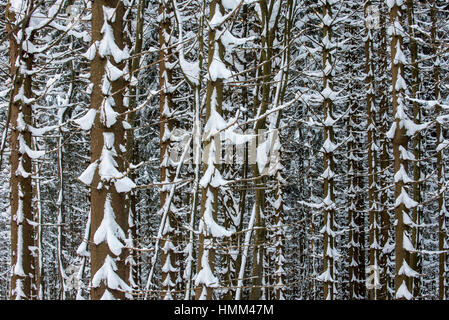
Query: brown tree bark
x=400 y=146
x=268 y=35
x=415 y=82
x=22 y=234
x=211 y=156
x=372 y=155
x=384 y=161
x=131 y=147
x=328 y=157
x=109 y=219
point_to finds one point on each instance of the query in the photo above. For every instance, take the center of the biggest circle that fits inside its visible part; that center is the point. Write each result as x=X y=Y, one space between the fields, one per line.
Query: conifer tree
x=21 y=37
x=107 y=175
x=400 y=132
x=328 y=275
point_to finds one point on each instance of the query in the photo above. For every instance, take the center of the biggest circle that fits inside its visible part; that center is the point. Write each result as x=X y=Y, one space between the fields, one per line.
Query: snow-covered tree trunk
x=38 y=231
x=399 y=132
x=107 y=175
x=328 y=275
x=22 y=233
x=384 y=159
x=269 y=17
x=59 y=203
x=372 y=150
x=279 y=258
x=351 y=196
x=416 y=216
x=212 y=180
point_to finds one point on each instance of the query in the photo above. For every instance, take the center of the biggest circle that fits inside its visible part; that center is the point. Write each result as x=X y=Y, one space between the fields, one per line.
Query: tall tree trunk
x=276 y=149
x=197 y=149
x=372 y=147
x=169 y=255
x=210 y=182
x=22 y=239
x=384 y=161
x=442 y=232
x=351 y=192
x=328 y=275
x=107 y=174
x=131 y=152
x=415 y=83
x=269 y=12
x=60 y=219
x=403 y=202
x=38 y=239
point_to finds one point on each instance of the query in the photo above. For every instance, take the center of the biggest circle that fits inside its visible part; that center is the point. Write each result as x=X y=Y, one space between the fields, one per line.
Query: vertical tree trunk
x=197 y=149
x=38 y=240
x=384 y=161
x=59 y=203
x=442 y=233
x=269 y=11
x=279 y=272
x=328 y=148
x=22 y=239
x=276 y=149
x=353 y=239
x=106 y=174
x=417 y=212
x=131 y=152
x=210 y=182
x=169 y=255
x=403 y=202
x=360 y=222
x=372 y=147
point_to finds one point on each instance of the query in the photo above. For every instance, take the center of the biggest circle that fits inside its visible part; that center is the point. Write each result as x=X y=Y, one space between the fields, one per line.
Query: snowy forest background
x=224 y=149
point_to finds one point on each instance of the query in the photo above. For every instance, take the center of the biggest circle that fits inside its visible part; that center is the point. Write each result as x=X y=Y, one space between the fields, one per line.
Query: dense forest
x=224 y=149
